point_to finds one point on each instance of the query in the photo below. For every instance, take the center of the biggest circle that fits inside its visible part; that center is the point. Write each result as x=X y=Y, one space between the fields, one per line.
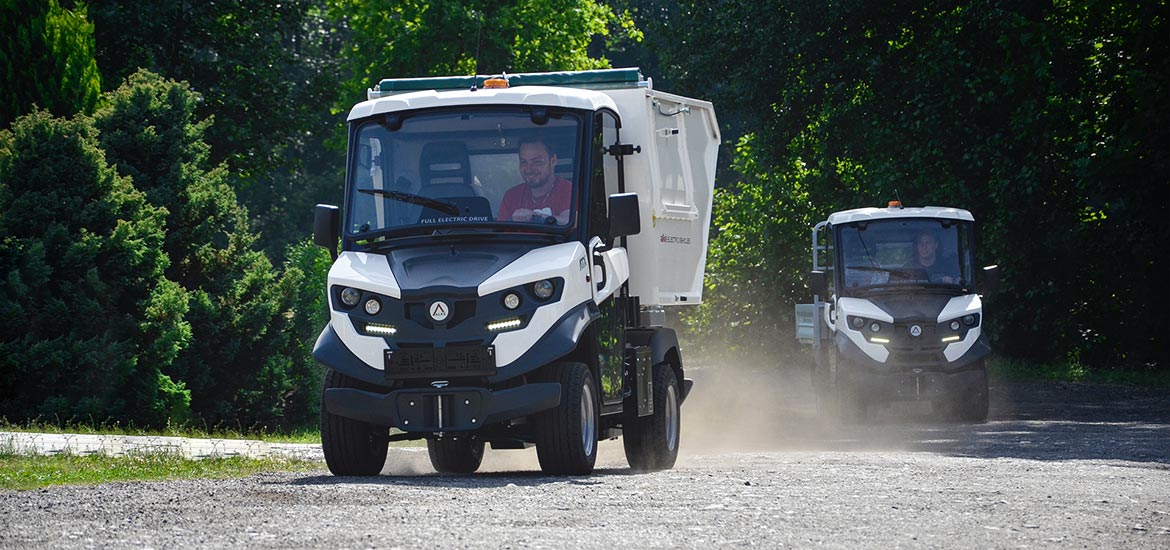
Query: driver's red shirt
x=558 y=200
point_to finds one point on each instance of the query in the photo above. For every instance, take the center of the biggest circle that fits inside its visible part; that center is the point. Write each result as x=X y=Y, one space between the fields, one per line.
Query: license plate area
x=451 y=361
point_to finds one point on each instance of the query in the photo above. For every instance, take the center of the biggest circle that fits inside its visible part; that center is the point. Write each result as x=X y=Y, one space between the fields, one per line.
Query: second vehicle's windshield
x=905 y=251
x=469 y=168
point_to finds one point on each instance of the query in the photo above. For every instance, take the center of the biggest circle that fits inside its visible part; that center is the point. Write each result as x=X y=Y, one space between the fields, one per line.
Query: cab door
x=610 y=264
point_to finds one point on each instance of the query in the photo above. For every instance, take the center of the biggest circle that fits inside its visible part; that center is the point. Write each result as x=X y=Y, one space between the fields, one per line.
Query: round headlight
x=511 y=300
x=543 y=289
x=954 y=325
x=858 y=322
x=373 y=306
x=969 y=320
x=875 y=327
x=350 y=296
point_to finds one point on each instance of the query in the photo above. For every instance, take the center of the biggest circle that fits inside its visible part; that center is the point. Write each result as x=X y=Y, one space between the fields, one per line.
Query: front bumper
x=429 y=410
x=926 y=386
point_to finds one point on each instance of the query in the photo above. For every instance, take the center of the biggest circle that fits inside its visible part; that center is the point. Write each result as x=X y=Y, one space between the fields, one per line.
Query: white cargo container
x=507 y=245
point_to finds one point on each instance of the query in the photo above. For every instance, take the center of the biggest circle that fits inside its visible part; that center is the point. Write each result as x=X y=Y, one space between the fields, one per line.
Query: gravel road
x=1058 y=465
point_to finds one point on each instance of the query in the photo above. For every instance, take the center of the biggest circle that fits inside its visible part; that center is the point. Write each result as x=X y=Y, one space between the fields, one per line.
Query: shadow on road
x=480 y=480
x=755 y=410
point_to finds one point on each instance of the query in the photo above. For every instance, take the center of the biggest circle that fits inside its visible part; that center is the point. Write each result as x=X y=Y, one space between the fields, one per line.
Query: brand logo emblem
x=439 y=311
x=915 y=330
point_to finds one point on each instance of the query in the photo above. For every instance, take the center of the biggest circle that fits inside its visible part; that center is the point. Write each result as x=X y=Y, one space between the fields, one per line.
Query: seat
x=445 y=170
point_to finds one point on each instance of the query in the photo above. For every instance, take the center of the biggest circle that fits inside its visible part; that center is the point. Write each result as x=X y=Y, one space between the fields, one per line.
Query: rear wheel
x=651 y=442
x=351 y=447
x=566 y=435
x=455 y=455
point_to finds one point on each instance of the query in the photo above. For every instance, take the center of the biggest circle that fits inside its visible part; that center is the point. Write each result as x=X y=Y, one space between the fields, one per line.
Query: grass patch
x=1073 y=371
x=31 y=472
x=303 y=435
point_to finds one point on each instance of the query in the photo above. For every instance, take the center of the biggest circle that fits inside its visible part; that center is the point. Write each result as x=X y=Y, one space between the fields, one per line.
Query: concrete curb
x=23 y=443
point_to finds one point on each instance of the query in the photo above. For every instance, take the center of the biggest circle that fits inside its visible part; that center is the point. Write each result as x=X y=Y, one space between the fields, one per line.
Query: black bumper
x=442 y=409
x=924 y=386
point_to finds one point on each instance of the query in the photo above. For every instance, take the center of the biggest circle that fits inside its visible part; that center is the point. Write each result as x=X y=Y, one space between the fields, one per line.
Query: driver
x=542 y=194
x=926 y=257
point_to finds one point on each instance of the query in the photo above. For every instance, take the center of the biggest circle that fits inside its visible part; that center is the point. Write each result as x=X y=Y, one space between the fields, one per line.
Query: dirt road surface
x=1057 y=466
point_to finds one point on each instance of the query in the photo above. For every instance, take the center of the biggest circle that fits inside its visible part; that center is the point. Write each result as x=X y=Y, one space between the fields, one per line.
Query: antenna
x=478 y=41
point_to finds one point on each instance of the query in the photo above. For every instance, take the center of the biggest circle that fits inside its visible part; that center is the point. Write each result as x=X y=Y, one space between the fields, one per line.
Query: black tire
x=972 y=404
x=839 y=400
x=455 y=455
x=566 y=435
x=652 y=442
x=351 y=447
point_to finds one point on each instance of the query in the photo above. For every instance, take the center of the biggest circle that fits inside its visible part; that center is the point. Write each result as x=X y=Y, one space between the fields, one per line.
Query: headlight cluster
x=876 y=329
x=539 y=291
x=351 y=297
x=861 y=323
x=959 y=327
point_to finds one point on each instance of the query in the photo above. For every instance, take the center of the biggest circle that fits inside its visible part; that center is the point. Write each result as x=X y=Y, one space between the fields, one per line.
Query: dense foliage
x=153 y=258
x=46 y=59
x=88 y=320
x=1047 y=120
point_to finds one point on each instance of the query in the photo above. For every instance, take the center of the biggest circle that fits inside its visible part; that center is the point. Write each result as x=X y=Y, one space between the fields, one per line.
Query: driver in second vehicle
x=542 y=194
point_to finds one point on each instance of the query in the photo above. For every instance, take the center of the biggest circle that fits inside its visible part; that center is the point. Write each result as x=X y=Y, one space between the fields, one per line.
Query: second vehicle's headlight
x=350 y=296
x=511 y=300
x=543 y=289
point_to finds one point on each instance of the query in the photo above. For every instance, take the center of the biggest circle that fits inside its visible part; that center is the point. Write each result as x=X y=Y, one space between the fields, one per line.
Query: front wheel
x=651 y=442
x=972 y=404
x=566 y=435
x=351 y=447
x=455 y=455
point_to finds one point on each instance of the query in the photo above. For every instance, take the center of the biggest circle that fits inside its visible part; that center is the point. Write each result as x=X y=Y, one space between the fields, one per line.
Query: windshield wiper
x=435 y=204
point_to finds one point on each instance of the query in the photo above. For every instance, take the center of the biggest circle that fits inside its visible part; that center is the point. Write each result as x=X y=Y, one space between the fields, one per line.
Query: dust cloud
x=732 y=408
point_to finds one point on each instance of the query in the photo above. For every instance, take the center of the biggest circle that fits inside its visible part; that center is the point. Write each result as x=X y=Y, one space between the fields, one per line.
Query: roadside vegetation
x=18 y=472
x=158 y=168
x=301 y=435
x=1072 y=371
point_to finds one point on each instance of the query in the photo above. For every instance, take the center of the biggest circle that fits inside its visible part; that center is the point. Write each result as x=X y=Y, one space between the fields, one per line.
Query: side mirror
x=326 y=222
x=624 y=218
x=991 y=279
x=819 y=283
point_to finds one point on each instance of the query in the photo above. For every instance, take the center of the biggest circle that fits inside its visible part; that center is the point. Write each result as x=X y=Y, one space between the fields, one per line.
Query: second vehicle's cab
x=900 y=315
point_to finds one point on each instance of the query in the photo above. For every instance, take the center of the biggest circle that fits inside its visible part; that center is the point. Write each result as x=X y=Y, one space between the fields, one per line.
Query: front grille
x=924 y=351
x=460 y=312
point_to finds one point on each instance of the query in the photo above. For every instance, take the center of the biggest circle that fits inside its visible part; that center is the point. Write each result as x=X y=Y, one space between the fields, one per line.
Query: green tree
x=448 y=37
x=267 y=72
x=88 y=322
x=46 y=59
x=1042 y=119
x=235 y=367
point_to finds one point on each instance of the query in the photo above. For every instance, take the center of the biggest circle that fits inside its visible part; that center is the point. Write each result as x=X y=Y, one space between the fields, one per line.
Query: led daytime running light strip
x=953 y=338
x=504 y=324
x=381 y=330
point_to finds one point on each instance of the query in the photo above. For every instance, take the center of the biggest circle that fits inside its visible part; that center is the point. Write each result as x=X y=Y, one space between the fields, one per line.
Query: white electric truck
x=896 y=314
x=508 y=245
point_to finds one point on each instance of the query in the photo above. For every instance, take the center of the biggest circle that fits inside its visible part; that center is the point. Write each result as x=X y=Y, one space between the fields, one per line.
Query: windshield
x=891 y=253
x=474 y=169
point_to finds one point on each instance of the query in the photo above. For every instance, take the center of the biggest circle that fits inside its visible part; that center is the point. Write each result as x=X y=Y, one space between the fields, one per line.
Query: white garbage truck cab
x=896 y=314
x=507 y=247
